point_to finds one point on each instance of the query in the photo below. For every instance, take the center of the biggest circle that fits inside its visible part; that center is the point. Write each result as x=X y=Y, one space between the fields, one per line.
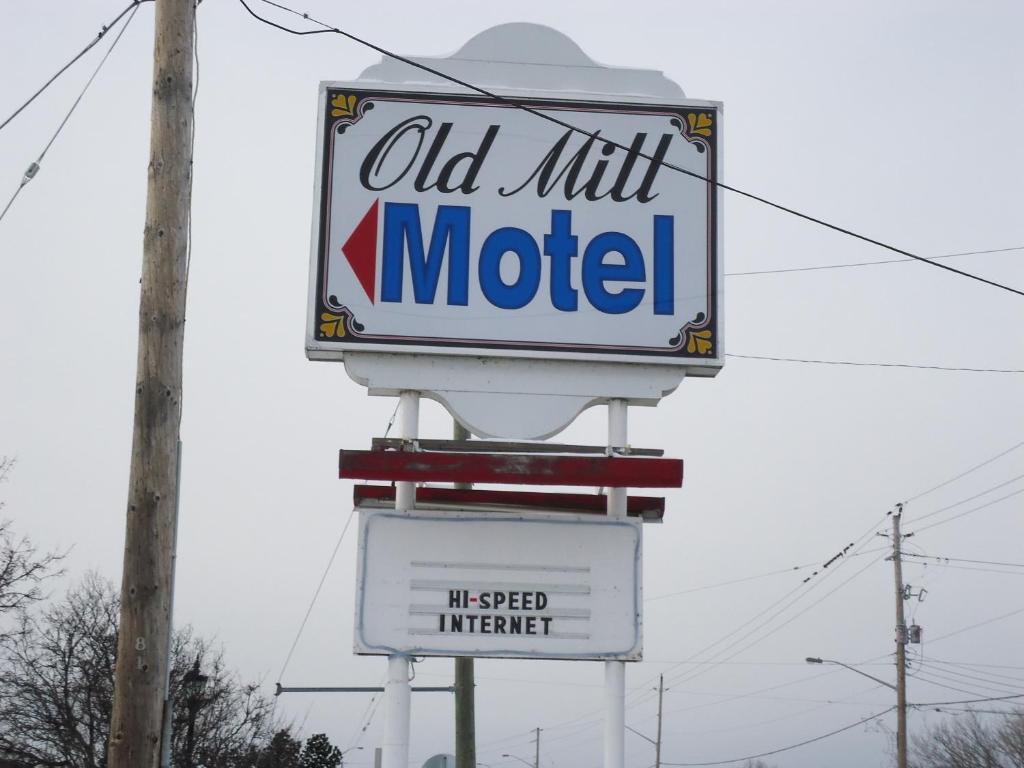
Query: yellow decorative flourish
x=344 y=106
x=699 y=342
x=699 y=123
x=332 y=325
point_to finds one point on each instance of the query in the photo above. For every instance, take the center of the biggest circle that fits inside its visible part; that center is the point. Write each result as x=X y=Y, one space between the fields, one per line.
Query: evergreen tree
x=320 y=753
x=282 y=752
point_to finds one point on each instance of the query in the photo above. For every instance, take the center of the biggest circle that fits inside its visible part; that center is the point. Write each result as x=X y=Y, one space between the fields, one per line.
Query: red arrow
x=361 y=251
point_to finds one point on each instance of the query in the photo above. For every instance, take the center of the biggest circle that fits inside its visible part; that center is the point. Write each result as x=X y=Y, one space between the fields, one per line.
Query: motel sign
x=548 y=244
x=463 y=225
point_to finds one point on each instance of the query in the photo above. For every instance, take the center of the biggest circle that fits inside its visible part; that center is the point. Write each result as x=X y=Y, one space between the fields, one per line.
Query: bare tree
x=968 y=741
x=1011 y=740
x=22 y=567
x=230 y=716
x=57 y=679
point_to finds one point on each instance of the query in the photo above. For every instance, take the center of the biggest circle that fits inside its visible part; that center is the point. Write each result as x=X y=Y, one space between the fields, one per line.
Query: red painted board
x=647 y=507
x=513 y=469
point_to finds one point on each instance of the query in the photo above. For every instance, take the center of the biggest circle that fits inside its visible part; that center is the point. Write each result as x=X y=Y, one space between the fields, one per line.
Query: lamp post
x=815 y=660
x=195 y=684
x=516 y=757
x=657 y=746
x=901 y=737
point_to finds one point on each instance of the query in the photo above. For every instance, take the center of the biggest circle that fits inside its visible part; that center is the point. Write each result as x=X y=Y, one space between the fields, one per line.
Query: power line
x=726 y=636
x=970 y=664
x=316 y=594
x=327 y=28
x=969 y=511
x=979 y=624
x=366 y=719
x=971 y=710
x=580 y=724
x=730 y=582
x=966 y=701
x=859 y=543
x=494 y=96
x=800 y=664
x=811 y=361
x=970 y=568
x=976 y=467
x=755 y=694
x=588 y=724
x=867 y=263
x=791 y=746
x=33 y=169
x=713 y=664
x=1007 y=681
x=965 y=560
x=820 y=704
x=969 y=498
x=103 y=31
x=927 y=679
x=323 y=578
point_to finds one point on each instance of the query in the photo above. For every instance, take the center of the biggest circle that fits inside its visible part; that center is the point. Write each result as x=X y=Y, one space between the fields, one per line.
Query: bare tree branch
x=56 y=690
x=968 y=741
x=23 y=569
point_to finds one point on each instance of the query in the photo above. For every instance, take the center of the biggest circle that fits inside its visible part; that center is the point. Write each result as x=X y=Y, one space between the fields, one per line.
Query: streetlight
x=516 y=757
x=657 y=746
x=194 y=683
x=901 y=736
x=815 y=660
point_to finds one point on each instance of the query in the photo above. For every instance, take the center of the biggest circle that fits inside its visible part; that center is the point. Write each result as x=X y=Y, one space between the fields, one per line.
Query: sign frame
x=701 y=340
x=630 y=651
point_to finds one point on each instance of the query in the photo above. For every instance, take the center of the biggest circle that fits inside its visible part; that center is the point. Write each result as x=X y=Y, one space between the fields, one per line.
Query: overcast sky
x=899 y=120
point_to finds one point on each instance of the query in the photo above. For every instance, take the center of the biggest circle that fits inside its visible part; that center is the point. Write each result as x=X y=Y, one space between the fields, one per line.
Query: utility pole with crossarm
x=901 y=642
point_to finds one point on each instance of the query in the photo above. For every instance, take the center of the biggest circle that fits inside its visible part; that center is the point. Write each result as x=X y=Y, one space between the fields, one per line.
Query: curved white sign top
x=523 y=255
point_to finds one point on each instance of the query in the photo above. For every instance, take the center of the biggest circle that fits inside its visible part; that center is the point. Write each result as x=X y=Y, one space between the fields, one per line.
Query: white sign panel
x=461 y=225
x=555 y=586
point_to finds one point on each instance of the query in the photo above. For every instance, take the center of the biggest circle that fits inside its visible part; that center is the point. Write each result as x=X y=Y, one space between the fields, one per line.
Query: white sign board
x=568 y=229
x=554 y=586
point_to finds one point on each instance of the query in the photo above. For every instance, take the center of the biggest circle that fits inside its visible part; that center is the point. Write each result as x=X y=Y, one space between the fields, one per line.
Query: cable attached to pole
x=103 y=31
x=33 y=169
x=595 y=135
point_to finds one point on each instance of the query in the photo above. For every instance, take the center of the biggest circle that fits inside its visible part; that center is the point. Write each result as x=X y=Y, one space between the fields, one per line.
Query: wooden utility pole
x=657 y=744
x=901 y=643
x=144 y=636
x=536 y=756
x=465 y=683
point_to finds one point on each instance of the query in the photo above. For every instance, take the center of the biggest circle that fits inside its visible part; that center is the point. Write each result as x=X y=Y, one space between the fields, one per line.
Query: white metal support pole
x=615 y=671
x=618 y=427
x=408 y=429
x=397 y=697
x=397 y=691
